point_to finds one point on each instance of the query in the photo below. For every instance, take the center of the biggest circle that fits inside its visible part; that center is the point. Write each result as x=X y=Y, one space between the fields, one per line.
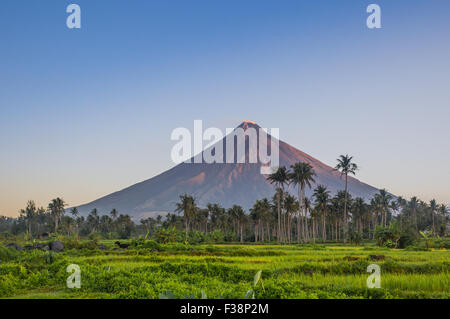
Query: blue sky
x=87 y=112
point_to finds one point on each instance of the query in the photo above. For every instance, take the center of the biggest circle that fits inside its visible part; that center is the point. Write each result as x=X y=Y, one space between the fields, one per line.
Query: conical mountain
x=224 y=183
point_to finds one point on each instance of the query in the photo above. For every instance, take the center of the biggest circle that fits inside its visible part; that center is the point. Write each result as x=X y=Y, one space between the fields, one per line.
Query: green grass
x=226 y=271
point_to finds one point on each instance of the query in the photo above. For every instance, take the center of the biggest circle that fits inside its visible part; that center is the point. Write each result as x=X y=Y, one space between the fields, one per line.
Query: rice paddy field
x=226 y=271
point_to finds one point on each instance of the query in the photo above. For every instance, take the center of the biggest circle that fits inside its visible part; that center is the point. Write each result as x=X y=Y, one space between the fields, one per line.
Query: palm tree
x=74 y=212
x=443 y=210
x=188 y=207
x=302 y=175
x=337 y=209
x=255 y=216
x=346 y=166
x=385 y=203
x=290 y=205
x=307 y=208
x=29 y=214
x=56 y=208
x=413 y=206
x=322 y=196
x=93 y=220
x=433 y=208
x=359 y=210
x=259 y=214
x=238 y=215
x=280 y=178
x=114 y=213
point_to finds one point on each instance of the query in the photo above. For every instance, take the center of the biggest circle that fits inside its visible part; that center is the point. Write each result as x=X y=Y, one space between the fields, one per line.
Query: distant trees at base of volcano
x=323 y=221
x=282 y=218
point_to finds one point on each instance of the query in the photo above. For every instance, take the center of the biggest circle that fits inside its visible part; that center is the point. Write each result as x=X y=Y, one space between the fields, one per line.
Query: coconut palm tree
x=237 y=214
x=322 y=197
x=74 y=212
x=307 y=208
x=359 y=210
x=93 y=220
x=413 y=206
x=29 y=214
x=433 y=209
x=443 y=211
x=280 y=178
x=56 y=209
x=302 y=175
x=241 y=219
x=188 y=207
x=385 y=204
x=346 y=166
x=291 y=206
x=337 y=210
x=114 y=213
x=256 y=213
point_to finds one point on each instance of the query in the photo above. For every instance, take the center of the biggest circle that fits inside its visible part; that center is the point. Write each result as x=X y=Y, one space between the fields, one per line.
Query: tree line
x=37 y=221
x=283 y=218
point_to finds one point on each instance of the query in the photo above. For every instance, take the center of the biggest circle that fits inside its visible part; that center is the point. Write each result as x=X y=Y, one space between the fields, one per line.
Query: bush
x=7 y=254
x=388 y=236
x=355 y=237
x=95 y=237
x=166 y=235
x=71 y=243
x=406 y=239
x=196 y=237
x=150 y=244
x=178 y=247
x=230 y=236
x=390 y=244
x=443 y=243
x=6 y=236
x=216 y=236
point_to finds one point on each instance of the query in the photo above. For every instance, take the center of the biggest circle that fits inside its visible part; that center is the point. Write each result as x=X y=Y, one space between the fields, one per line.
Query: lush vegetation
x=151 y=270
x=301 y=247
x=391 y=221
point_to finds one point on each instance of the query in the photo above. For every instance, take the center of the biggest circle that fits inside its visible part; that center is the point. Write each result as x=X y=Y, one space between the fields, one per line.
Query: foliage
x=166 y=235
x=178 y=270
x=355 y=237
x=388 y=236
x=196 y=237
x=216 y=236
x=7 y=254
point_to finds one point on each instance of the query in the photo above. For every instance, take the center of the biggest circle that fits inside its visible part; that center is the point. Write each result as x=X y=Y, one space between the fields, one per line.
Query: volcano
x=226 y=184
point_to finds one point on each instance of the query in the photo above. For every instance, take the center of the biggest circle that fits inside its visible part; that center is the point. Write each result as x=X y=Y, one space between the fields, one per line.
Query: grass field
x=226 y=271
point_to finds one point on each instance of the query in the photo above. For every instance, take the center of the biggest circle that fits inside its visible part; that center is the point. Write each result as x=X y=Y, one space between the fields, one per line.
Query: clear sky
x=87 y=112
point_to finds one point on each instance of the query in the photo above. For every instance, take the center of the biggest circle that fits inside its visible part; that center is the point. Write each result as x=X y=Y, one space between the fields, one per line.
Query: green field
x=225 y=271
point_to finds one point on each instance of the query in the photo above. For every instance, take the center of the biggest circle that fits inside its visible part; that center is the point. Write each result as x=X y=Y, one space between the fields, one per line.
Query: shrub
x=150 y=244
x=166 y=235
x=230 y=236
x=406 y=239
x=216 y=236
x=196 y=237
x=390 y=235
x=95 y=237
x=355 y=237
x=7 y=254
